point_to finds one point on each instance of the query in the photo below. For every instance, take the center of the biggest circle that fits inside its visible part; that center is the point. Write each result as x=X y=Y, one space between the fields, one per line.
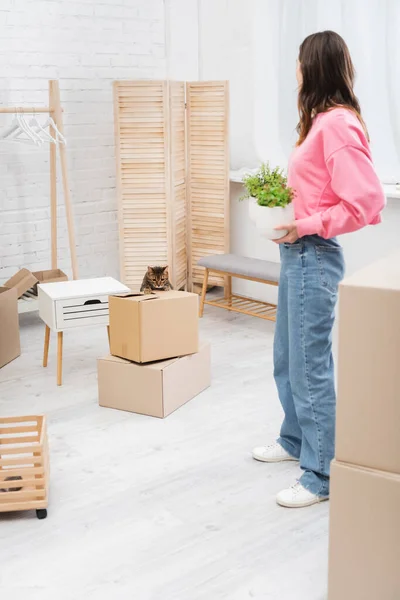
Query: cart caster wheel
x=41 y=513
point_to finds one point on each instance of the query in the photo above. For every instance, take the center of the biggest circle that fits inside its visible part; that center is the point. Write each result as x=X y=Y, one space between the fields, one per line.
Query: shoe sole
x=275 y=460
x=304 y=505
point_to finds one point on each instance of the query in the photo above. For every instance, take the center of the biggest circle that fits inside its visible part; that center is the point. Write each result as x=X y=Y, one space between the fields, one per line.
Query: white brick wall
x=86 y=44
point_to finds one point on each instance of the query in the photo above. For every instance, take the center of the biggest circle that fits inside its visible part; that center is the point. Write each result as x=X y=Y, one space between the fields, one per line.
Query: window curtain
x=371 y=29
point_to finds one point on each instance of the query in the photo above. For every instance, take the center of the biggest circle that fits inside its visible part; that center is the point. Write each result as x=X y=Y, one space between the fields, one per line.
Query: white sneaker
x=272 y=453
x=298 y=496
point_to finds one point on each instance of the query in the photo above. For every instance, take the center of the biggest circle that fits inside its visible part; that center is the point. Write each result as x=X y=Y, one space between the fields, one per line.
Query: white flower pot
x=266 y=219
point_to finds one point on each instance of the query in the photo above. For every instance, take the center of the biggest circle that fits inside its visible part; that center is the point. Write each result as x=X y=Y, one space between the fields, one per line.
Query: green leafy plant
x=268 y=186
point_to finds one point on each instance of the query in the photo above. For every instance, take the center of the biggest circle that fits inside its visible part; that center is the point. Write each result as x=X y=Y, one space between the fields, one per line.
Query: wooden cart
x=24 y=464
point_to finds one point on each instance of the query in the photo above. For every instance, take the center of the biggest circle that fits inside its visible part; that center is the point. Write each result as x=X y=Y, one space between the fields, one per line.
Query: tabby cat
x=156 y=280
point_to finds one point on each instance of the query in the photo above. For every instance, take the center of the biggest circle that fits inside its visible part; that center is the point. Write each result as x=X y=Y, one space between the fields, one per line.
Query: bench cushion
x=242 y=265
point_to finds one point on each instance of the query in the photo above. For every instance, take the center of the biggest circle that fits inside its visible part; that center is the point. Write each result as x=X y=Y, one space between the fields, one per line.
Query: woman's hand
x=291 y=236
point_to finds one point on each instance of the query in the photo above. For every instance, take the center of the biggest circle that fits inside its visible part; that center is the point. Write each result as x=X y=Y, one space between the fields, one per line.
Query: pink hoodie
x=336 y=187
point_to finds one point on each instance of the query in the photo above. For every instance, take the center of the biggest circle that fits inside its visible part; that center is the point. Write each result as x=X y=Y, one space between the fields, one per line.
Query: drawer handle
x=92 y=302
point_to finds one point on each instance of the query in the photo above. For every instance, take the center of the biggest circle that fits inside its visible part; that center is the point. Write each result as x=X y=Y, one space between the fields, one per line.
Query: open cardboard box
x=49 y=276
x=25 y=280
x=10 y=347
x=22 y=281
x=14 y=288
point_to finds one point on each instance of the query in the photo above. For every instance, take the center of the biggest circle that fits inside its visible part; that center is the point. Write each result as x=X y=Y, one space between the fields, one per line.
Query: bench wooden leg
x=59 y=357
x=203 y=293
x=46 y=346
x=228 y=289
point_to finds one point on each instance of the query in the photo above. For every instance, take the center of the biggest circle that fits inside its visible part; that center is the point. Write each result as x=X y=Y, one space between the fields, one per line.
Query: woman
x=336 y=191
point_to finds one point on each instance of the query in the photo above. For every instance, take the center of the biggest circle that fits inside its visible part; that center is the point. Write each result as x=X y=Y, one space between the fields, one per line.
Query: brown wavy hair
x=328 y=79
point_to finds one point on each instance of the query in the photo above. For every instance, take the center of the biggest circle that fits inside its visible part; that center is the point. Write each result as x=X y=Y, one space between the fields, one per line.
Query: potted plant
x=270 y=200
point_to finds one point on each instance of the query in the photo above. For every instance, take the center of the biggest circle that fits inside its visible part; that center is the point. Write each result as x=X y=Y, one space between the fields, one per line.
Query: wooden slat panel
x=18 y=429
x=20 y=440
x=151 y=173
x=208 y=174
x=16 y=420
x=16 y=497
x=21 y=461
x=177 y=205
x=141 y=128
x=24 y=505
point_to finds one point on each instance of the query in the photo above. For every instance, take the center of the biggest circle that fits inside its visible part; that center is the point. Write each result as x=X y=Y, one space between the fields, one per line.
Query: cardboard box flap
x=383 y=274
x=22 y=281
x=159 y=295
x=173 y=294
x=136 y=296
x=159 y=365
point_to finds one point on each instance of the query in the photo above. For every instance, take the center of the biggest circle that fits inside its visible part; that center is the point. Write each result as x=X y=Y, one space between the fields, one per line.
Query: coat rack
x=55 y=111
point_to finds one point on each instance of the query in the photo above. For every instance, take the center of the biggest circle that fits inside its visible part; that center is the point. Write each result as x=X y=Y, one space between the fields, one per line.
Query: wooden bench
x=252 y=269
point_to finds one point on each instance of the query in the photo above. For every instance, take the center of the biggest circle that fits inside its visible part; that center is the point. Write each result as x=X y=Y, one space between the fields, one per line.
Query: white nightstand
x=70 y=304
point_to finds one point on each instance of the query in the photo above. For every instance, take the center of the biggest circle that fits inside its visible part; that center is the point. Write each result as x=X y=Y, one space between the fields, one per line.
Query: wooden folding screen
x=208 y=174
x=173 y=173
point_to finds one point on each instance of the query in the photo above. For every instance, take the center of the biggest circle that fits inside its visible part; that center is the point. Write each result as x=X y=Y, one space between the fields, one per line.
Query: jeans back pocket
x=331 y=266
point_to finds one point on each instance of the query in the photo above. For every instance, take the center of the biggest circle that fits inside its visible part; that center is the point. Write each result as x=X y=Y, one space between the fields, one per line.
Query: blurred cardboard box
x=364 y=545
x=368 y=406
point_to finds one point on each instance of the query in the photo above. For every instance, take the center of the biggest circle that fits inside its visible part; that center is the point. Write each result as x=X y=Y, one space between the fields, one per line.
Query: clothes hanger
x=40 y=130
x=28 y=131
x=59 y=136
x=18 y=130
x=13 y=127
x=32 y=133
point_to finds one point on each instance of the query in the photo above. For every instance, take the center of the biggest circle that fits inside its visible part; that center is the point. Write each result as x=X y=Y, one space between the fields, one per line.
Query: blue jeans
x=311 y=270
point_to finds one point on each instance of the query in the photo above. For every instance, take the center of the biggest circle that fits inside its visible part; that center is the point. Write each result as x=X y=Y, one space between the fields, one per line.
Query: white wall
x=182 y=39
x=226 y=52
x=86 y=44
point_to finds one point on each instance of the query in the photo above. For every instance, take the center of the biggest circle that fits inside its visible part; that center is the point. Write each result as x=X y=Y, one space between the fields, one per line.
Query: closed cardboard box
x=364 y=546
x=9 y=326
x=155 y=389
x=368 y=407
x=146 y=328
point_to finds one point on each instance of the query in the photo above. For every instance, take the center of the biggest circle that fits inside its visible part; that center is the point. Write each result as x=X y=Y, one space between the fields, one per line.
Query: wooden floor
x=146 y=509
